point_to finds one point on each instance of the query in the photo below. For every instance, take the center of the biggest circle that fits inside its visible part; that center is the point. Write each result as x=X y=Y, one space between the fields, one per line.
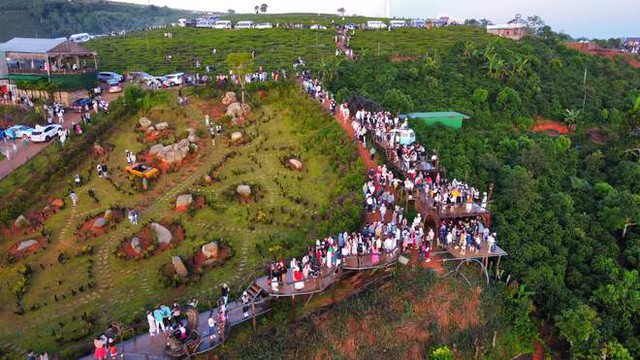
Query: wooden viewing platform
x=290 y=287
x=149 y=347
x=366 y=261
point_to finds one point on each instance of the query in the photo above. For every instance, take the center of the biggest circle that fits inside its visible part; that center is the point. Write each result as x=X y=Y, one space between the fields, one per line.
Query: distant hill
x=55 y=18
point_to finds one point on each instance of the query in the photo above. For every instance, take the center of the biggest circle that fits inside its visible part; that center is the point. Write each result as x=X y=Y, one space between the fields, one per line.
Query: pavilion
x=69 y=64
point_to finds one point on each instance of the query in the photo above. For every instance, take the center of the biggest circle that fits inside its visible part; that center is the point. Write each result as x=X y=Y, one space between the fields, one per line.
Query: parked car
x=141 y=76
x=264 y=26
x=105 y=76
x=174 y=79
x=18 y=131
x=222 y=24
x=79 y=104
x=45 y=133
x=113 y=86
x=142 y=170
x=318 y=27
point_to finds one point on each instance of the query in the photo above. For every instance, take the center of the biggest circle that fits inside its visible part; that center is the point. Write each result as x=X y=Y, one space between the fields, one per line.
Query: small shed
x=450 y=119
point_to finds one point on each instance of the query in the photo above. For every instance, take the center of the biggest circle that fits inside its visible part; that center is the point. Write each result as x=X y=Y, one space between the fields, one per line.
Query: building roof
x=438 y=115
x=30 y=45
x=69 y=47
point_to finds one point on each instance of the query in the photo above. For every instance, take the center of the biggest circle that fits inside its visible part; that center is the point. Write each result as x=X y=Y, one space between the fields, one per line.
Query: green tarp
x=450 y=119
x=67 y=82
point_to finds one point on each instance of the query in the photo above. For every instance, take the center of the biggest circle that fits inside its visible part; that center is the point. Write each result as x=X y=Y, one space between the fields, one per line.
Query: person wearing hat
x=245 y=304
x=100 y=352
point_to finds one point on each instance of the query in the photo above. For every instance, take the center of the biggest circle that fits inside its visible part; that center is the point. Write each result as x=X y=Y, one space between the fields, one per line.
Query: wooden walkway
x=290 y=287
x=370 y=261
x=152 y=347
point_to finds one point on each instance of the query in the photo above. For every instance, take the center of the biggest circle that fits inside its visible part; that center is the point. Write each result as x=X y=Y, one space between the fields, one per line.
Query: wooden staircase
x=255 y=292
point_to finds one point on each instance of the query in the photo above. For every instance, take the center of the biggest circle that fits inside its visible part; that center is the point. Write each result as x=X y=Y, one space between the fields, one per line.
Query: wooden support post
x=293 y=308
x=333 y=287
x=253 y=313
x=498 y=267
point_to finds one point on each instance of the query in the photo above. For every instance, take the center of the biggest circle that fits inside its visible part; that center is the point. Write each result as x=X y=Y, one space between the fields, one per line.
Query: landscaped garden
x=218 y=210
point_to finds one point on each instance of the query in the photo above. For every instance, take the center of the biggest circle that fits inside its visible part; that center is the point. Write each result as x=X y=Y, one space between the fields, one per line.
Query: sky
x=578 y=18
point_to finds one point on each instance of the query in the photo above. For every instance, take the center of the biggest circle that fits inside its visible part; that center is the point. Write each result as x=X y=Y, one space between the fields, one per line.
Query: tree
x=613 y=350
x=231 y=11
x=572 y=118
x=241 y=64
x=397 y=102
x=535 y=23
x=579 y=326
x=263 y=8
x=341 y=11
x=257 y=8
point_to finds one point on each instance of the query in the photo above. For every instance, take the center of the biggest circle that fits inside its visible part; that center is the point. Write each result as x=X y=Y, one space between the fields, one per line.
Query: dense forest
x=53 y=18
x=565 y=207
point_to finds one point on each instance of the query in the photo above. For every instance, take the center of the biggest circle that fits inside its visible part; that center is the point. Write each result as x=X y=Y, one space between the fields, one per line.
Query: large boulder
x=295 y=164
x=24 y=245
x=183 y=147
x=236 y=136
x=144 y=122
x=156 y=149
x=22 y=222
x=210 y=250
x=178 y=265
x=236 y=109
x=244 y=190
x=183 y=202
x=99 y=223
x=161 y=126
x=161 y=233
x=108 y=214
x=192 y=137
x=135 y=245
x=57 y=203
x=229 y=98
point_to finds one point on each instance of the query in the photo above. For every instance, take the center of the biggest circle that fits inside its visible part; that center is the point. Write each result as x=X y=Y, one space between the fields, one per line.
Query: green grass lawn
x=68 y=300
x=275 y=49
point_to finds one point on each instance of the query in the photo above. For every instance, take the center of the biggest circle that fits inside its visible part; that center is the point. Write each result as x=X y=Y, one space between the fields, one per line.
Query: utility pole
x=584 y=87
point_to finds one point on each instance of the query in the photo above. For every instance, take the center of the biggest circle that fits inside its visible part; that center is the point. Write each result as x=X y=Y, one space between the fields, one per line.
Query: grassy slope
x=229 y=221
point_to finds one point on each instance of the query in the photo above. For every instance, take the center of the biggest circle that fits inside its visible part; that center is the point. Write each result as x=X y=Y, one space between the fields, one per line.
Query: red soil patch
x=595 y=49
x=200 y=261
x=550 y=126
x=401 y=58
x=36 y=219
x=148 y=243
x=86 y=230
x=198 y=203
x=42 y=241
x=596 y=136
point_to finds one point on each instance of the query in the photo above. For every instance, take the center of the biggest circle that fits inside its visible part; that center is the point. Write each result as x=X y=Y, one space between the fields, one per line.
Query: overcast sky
x=590 y=18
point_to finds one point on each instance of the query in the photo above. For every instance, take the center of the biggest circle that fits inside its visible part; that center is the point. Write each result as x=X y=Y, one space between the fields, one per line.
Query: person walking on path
x=74 y=198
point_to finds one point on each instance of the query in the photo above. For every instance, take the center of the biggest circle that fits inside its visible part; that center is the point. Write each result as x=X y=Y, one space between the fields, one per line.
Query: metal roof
x=29 y=45
x=440 y=114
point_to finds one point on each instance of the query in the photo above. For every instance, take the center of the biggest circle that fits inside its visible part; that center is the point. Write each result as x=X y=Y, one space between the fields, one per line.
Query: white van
x=182 y=22
x=222 y=24
x=244 y=25
x=79 y=38
x=397 y=24
x=174 y=79
x=374 y=24
x=403 y=136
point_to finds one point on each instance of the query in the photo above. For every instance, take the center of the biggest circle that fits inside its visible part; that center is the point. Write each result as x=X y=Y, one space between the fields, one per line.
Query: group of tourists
x=466 y=234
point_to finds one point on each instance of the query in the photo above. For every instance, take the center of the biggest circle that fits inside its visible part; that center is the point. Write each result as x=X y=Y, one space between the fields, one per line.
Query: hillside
x=54 y=18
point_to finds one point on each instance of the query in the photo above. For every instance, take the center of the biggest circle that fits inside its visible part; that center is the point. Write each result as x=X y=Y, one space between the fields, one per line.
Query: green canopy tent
x=450 y=119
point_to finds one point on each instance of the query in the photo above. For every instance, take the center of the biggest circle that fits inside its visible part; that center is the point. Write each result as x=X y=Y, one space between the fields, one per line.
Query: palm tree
x=572 y=118
x=469 y=50
x=256 y=8
x=263 y=8
x=342 y=11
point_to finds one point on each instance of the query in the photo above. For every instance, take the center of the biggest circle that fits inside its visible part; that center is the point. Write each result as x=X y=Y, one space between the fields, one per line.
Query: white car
x=174 y=79
x=264 y=26
x=244 y=25
x=222 y=24
x=45 y=133
x=318 y=27
x=105 y=76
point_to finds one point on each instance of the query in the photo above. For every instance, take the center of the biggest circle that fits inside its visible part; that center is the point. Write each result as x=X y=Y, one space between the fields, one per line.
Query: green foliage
x=580 y=327
x=441 y=353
